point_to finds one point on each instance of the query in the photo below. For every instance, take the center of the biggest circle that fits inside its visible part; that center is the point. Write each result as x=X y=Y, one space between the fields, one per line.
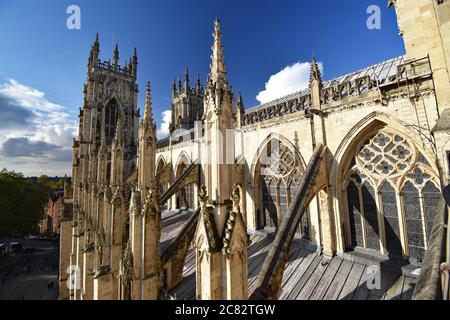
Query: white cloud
x=163 y=130
x=47 y=123
x=291 y=79
x=28 y=97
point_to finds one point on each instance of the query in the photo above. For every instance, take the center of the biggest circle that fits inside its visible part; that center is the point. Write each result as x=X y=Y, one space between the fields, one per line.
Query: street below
x=31 y=274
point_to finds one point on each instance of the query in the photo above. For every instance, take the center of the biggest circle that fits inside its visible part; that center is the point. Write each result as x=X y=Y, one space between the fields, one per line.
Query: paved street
x=27 y=275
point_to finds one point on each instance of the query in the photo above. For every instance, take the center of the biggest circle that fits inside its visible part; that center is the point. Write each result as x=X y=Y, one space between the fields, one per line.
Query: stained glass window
x=280 y=176
x=388 y=159
x=354 y=208
x=391 y=223
x=431 y=195
x=370 y=217
x=414 y=222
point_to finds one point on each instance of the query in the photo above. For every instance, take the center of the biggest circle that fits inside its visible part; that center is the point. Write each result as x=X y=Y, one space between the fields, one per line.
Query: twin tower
x=111 y=243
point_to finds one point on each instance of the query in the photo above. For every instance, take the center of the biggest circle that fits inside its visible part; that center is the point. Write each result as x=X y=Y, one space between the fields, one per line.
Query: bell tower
x=105 y=153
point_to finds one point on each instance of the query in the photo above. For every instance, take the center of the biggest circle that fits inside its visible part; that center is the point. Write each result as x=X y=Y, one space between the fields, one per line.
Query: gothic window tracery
x=280 y=174
x=391 y=196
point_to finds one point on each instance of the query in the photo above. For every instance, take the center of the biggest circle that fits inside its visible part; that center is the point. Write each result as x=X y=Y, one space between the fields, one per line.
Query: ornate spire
x=96 y=45
x=179 y=83
x=240 y=110
x=116 y=56
x=134 y=62
x=315 y=85
x=240 y=102
x=186 y=78
x=198 y=85
x=93 y=55
x=174 y=88
x=148 y=115
x=217 y=65
x=315 y=72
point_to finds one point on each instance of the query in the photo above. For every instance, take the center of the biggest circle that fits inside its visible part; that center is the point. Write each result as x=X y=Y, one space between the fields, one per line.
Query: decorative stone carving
x=386 y=155
x=152 y=205
x=99 y=243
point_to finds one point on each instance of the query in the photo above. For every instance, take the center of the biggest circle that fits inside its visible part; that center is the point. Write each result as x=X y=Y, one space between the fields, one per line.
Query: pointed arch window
x=391 y=196
x=420 y=198
x=391 y=219
x=361 y=199
x=110 y=120
x=280 y=172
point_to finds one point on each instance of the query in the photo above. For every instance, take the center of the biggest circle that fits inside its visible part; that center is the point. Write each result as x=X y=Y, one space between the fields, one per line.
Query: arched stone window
x=110 y=120
x=391 y=196
x=279 y=173
x=363 y=212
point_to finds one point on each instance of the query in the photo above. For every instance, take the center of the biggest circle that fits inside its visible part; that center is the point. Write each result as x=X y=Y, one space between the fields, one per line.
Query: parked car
x=15 y=247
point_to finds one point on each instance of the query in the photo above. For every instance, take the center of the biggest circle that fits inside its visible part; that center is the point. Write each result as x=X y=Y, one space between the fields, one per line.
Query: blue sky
x=43 y=60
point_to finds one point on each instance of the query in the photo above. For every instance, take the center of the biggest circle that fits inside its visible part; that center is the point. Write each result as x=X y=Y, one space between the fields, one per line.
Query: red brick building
x=49 y=225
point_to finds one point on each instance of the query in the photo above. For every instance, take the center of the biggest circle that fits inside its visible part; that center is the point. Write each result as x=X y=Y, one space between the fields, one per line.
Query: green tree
x=51 y=183
x=21 y=203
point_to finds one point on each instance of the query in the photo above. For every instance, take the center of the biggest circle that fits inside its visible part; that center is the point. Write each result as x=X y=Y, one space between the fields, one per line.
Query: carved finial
x=198 y=85
x=217 y=67
x=96 y=45
x=315 y=72
x=152 y=204
x=179 y=83
x=116 y=56
x=240 y=103
x=186 y=78
x=134 y=63
x=148 y=115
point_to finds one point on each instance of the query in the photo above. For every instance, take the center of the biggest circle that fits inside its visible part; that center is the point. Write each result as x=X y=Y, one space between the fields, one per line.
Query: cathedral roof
x=382 y=72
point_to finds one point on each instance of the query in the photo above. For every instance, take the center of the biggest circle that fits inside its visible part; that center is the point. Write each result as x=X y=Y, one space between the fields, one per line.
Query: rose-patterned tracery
x=386 y=155
x=390 y=180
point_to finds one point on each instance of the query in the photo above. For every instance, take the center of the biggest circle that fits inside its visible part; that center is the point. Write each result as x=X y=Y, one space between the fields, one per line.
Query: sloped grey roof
x=381 y=72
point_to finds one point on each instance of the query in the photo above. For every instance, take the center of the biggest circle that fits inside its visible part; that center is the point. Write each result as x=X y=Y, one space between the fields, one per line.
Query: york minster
x=335 y=191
